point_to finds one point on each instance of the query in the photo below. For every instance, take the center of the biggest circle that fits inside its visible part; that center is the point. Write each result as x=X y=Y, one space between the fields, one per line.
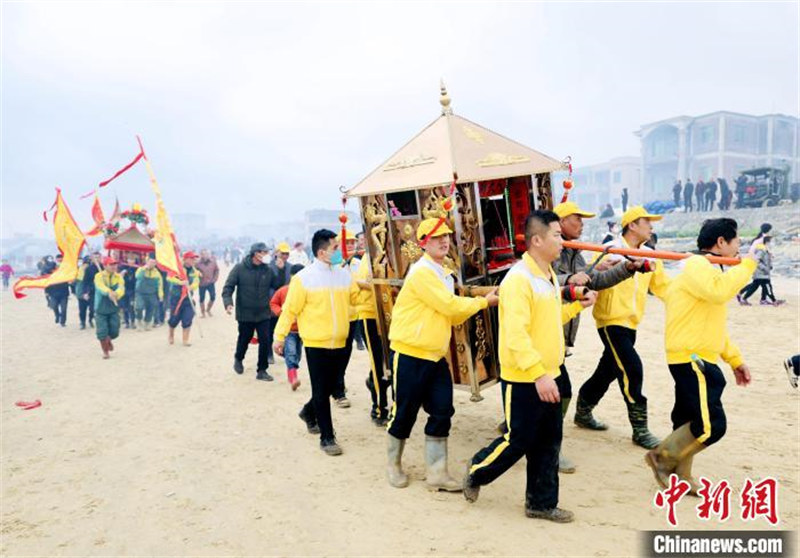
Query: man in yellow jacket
x=419 y=336
x=696 y=338
x=531 y=352
x=617 y=314
x=319 y=299
x=377 y=383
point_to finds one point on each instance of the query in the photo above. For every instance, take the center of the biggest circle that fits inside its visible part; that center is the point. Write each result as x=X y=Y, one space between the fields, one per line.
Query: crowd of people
x=289 y=305
x=702 y=196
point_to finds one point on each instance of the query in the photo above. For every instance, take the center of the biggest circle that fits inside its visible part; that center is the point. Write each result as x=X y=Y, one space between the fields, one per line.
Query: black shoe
x=380 y=421
x=470 y=490
x=360 y=346
x=238 y=367
x=63 y=325
x=83 y=326
x=556 y=515
x=330 y=447
x=312 y=426
x=264 y=375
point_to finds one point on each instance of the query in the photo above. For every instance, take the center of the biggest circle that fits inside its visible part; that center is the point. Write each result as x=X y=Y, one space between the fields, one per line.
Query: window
x=402 y=205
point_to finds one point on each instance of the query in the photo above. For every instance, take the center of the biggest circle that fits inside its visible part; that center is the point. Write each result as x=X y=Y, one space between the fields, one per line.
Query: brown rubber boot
x=664 y=459
x=684 y=468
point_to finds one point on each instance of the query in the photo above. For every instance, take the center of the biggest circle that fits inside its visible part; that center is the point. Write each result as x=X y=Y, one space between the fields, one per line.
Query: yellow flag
x=70 y=242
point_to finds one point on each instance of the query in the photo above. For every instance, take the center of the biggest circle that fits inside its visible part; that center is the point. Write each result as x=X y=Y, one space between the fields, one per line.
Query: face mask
x=336 y=258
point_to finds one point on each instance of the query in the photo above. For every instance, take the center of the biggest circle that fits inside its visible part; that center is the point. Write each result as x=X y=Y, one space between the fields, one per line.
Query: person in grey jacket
x=571 y=269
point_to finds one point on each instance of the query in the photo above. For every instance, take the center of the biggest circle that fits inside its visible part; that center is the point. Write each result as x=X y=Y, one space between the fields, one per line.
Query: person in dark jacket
x=252 y=279
x=700 y=194
x=58 y=296
x=711 y=194
x=571 y=269
x=688 y=196
x=676 y=193
x=128 y=273
x=284 y=276
x=624 y=199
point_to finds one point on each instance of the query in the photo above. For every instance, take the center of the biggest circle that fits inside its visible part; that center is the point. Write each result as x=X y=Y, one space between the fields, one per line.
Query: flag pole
x=185 y=293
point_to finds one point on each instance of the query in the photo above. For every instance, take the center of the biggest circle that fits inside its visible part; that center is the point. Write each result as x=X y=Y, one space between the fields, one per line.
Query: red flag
x=98 y=217
x=123 y=169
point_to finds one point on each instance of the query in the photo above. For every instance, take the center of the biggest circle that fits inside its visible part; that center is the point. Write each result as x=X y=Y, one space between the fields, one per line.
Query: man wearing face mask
x=422 y=319
x=252 y=279
x=319 y=299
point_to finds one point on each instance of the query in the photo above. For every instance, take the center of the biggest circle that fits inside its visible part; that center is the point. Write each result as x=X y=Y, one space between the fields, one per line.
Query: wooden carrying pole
x=635 y=252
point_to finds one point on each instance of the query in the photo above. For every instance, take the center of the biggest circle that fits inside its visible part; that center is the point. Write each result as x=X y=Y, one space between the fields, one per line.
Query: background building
x=601 y=184
x=316 y=219
x=720 y=144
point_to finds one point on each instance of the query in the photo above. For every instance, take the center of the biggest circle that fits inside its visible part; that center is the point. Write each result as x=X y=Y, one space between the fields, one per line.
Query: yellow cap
x=348 y=235
x=283 y=247
x=637 y=212
x=566 y=209
x=424 y=229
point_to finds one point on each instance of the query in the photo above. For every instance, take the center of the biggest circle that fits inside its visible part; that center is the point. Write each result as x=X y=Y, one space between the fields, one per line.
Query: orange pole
x=660 y=254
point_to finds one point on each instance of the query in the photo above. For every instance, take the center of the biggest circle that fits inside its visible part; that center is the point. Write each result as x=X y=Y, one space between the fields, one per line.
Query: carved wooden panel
x=376 y=225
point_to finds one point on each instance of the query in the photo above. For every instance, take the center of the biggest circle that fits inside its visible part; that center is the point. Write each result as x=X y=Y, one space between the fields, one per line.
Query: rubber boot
x=664 y=459
x=104 y=346
x=564 y=464
x=684 y=468
x=394 y=468
x=436 y=475
x=291 y=374
x=637 y=415
x=186 y=331
x=584 y=418
x=171 y=337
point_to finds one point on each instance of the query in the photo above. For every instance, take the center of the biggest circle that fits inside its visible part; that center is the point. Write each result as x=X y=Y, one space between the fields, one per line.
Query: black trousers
x=421 y=383
x=687 y=203
x=59 y=305
x=246 y=330
x=534 y=430
x=698 y=400
x=272 y=321
x=564 y=383
x=620 y=362
x=323 y=370
x=128 y=308
x=340 y=389
x=766 y=289
x=378 y=385
x=83 y=307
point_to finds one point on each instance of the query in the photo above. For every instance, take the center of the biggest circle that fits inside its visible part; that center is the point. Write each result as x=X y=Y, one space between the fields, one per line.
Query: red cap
x=108 y=260
x=189 y=254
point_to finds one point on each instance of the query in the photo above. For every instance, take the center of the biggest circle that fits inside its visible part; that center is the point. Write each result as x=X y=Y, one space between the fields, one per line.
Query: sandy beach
x=164 y=450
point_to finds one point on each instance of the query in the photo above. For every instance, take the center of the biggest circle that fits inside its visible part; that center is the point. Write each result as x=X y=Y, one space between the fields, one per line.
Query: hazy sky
x=254 y=111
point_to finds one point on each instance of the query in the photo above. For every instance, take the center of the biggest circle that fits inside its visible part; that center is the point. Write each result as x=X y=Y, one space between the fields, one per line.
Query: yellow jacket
x=623 y=304
x=697 y=311
x=106 y=282
x=365 y=297
x=427 y=309
x=319 y=298
x=531 y=323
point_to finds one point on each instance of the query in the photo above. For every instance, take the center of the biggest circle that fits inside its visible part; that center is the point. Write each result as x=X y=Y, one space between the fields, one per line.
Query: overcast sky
x=253 y=112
